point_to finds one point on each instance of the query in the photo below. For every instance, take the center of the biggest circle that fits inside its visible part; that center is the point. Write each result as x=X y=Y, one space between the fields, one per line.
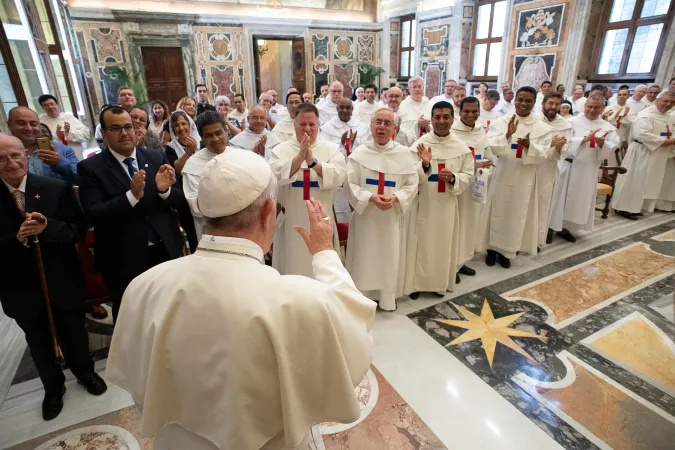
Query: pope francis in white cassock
x=382 y=180
x=593 y=140
x=209 y=346
x=445 y=169
x=467 y=128
x=285 y=128
x=252 y=138
x=650 y=181
x=305 y=168
x=328 y=108
x=510 y=223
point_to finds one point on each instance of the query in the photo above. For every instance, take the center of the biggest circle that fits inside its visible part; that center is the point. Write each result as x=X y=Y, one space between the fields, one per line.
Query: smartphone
x=44 y=144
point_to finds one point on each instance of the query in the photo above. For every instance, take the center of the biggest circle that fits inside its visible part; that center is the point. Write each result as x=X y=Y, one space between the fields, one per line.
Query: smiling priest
x=256 y=138
x=285 y=128
x=416 y=106
x=445 y=169
x=305 y=167
x=209 y=345
x=383 y=180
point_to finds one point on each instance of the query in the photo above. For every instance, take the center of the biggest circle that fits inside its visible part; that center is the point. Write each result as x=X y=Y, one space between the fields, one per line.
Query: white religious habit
x=407 y=132
x=506 y=107
x=547 y=173
x=277 y=112
x=442 y=98
x=376 y=243
x=574 y=205
x=364 y=110
x=647 y=161
x=284 y=129
x=470 y=211
x=192 y=173
x=290 y=252
x=235 y=114
x=635 y=107
x=327 y=110
x=209 y=346
x=433 y=233
x=488 y=117
x=77 y=137
x=578 y=106
x=411 y=110
x=247 y=139
x=510 y=218
x=621 y=120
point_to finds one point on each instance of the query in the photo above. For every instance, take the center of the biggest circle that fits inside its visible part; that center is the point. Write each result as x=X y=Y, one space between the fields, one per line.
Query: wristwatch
x=314 y=163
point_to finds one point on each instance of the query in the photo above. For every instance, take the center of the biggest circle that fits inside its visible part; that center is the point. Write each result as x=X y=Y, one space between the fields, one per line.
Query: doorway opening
x=279 y=65
x=164 y=74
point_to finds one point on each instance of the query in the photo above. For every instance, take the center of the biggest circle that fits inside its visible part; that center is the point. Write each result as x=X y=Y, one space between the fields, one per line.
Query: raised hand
x=66 y=128
x=138 y=184
x=58 y=131
x=600 y=140
x=320 y=234
x=606 y=114
x=424 y=153
x=259 y=147
x=50 y=157
x=589 y=136
x=558 y=142
x=243 y=124
x=191 y=146
x=165 y=178
x=512 y=127
x=423 y=123
x=525 y=141
x=306 y=148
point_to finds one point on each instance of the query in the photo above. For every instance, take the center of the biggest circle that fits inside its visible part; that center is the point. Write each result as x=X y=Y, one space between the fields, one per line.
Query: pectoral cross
x=305 y=184
x=37 y=196
x=436 y=178
x=381 y=183
x=519 y=150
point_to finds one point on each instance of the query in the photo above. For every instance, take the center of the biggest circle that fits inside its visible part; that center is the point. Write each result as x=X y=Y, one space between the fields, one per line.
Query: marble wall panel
x=223 y=81
x=107 y=45
x=434 y=50
x=344 y=73
x=434 y=74
x=394 y=26
x=320 y=76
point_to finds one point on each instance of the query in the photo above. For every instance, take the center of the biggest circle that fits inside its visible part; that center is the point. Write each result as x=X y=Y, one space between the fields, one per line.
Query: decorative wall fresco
x=434 y=74
x=394 y=26
x=532 y=70
x=434 y=41
x=220 y=46
x=107 y=45
x=434 y=48
x=540 y=27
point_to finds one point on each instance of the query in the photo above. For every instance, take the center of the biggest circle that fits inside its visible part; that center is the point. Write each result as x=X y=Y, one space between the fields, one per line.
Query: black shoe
x=565 y=234
x=94 y=384
x=457 y=279
x=52 y=404
x=627 y=215
x=464 y=270
x=414 y=295
x=549 y=236
x=504 y=261
x=491 y=258
x=438 y=294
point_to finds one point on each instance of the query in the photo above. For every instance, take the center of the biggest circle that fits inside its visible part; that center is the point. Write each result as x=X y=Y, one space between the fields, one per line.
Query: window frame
x=409 y=18
x=632 y=24
x=489 y=41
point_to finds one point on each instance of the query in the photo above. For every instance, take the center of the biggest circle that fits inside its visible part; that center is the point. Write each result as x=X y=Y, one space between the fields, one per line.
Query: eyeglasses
x=386 y=123
x=116 y=129
x=257 y=119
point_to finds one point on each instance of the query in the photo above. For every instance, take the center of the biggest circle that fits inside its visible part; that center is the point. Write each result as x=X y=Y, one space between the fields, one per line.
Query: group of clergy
x=426 y=184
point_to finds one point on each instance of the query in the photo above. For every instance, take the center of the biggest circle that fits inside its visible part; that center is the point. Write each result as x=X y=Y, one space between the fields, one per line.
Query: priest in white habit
x=416 y=106
x=239 y=112
x=328 y=108
x=521 y=141
x=306 y=168
x=404 y=133
x=637 y=102
x=211 y=128
x=489 y=109
x=618 y=114
x=364 y=110
x=285 y=128
x=446 y=96
x=445 y=169
x=593 y=140
x=382 y=180
x=209 y=345
x=346 y=129
x=648 y=160
x=547 y=171
x=256 y=137
x=467 y=129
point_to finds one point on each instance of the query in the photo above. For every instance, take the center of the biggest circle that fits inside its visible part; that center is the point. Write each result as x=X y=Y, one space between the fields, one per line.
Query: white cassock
x=209 y=347
x=364 y=110
x=411 y=111
x=506 y=107
x=510 y=219
x=621 y=120
x=578 y=106
x=488 y=117
x=376 y=244
x=192 y=173
x=327 y=110
x=538 y=101
x=442 y=98
x=470 y=211
x=277 y=112
x=635 y=107
x=547 y=173
x=332 y=132
x=649 y=163
x=290 y=252
x=574 y=203
x=433 y=233
x=77 y=137
x=407 y=132
x=235 y=114
x=285 y=129
x=247 y=139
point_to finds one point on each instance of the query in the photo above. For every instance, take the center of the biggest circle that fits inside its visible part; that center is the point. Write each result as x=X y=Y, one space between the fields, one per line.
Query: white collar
x=121 y=158
x=22 y=186
x=231 y=245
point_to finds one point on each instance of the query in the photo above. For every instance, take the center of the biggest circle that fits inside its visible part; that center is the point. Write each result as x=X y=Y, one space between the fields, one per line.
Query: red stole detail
x=305 y=184
x=380 y=184
x=441 y=184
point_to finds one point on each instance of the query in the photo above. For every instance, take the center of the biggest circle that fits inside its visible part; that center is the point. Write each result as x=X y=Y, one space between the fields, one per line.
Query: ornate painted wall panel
x=434 y=39
x=538 y=41
x=221 y=60
x=335 y=54
x=394 y=26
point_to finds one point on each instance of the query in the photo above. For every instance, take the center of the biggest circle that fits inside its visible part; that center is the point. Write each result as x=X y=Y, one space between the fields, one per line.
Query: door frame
x=256 y=67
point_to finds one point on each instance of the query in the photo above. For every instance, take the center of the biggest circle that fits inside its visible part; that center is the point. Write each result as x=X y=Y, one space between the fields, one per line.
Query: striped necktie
x=18 y=198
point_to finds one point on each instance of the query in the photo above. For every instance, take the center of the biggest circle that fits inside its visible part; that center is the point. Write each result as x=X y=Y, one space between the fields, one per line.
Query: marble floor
x=573 y=348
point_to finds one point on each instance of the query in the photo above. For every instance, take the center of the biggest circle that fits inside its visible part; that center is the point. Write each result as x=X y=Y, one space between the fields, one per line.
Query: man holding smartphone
x=46 y=159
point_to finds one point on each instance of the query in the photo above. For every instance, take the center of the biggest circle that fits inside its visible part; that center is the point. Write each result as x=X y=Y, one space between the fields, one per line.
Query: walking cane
x=43 y=279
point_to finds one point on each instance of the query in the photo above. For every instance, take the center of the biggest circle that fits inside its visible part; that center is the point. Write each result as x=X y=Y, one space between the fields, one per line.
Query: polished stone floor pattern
x=572 y=348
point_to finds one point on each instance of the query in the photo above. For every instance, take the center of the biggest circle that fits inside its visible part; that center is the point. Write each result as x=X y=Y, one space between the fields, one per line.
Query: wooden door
x=298 y=64
x=164 y=74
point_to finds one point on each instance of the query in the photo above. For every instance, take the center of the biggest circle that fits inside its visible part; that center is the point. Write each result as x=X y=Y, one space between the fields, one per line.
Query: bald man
x=416 y=106
x=58 y=162
x=278 y=111
x=256 y=137
x=328 y=108
x=637 y=102
x=404 y=132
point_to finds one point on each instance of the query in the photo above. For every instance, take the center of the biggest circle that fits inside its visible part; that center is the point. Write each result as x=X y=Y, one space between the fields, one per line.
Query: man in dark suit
x=25 y=200
x=127 y=195
x=202 y=99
